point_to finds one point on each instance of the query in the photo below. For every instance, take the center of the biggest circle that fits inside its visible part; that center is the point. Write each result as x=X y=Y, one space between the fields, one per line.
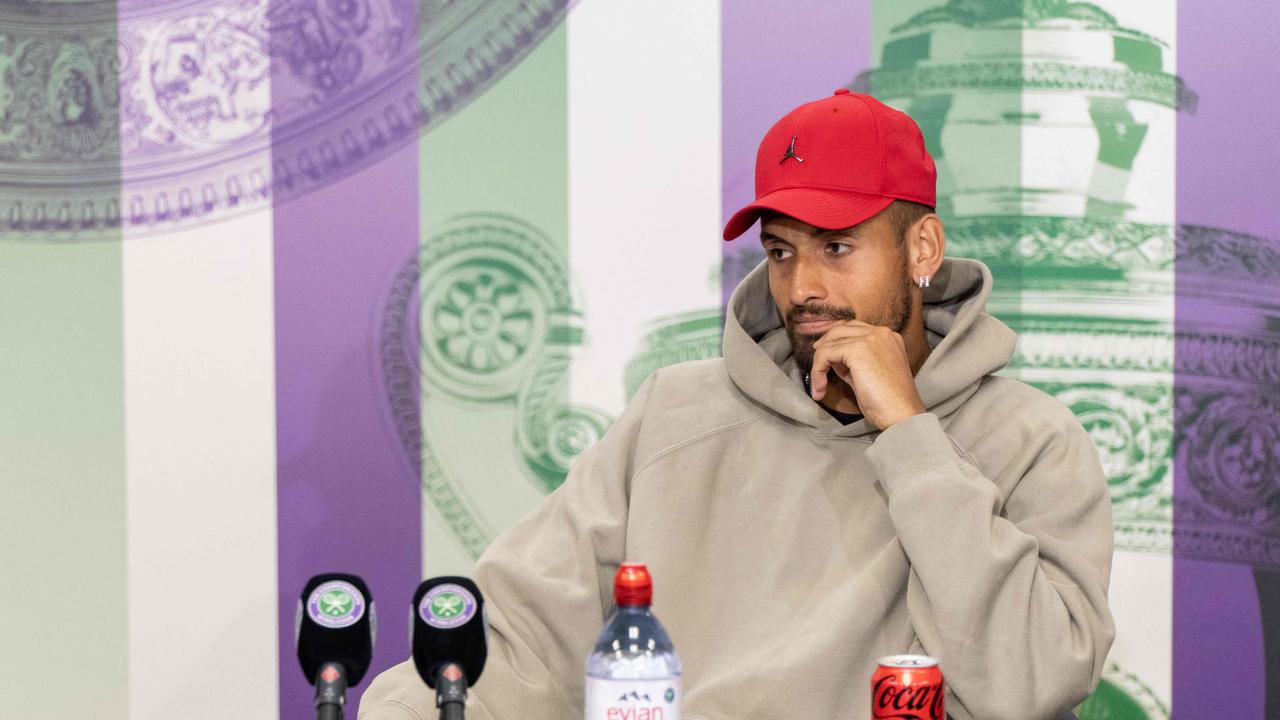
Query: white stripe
x=644 y=177
x=1141 y=594
x=200 y=457
x=1141 y=600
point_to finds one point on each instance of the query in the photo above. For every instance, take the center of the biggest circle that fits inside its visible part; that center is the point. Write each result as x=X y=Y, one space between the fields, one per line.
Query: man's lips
x=810 y=325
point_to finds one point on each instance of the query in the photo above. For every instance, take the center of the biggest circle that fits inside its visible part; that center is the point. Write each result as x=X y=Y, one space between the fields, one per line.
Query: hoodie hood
x=968 y=344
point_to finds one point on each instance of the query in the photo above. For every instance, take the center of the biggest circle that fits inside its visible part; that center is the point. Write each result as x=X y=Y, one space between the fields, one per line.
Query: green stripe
x=62 y=557
x=63 y=554
x=497 y=317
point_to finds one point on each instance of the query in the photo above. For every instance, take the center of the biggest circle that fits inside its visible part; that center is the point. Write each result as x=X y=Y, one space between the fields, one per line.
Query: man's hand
x=872 y=360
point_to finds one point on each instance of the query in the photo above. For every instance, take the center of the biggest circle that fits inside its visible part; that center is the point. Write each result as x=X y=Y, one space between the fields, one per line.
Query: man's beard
x=895 y=318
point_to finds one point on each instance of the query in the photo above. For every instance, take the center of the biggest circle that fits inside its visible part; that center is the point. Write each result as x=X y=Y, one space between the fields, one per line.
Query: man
x=850 y=481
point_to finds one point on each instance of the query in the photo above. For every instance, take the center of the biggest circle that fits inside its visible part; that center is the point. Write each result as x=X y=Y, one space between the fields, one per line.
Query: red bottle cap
x=632 y=585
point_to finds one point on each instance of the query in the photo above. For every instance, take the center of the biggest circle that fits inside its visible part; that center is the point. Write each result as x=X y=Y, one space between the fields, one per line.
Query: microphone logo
x=336 y=604
x=447 y=606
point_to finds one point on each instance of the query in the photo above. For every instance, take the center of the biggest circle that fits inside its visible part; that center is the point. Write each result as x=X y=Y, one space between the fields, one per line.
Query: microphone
x=449 y=640
x=335 y=627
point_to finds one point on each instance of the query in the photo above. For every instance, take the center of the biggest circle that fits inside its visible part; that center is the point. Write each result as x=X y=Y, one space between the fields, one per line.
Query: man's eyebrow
x=766 y=237
x=848 y=232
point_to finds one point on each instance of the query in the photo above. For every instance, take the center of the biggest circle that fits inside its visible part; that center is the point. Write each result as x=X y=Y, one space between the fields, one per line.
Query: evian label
x=633 y=699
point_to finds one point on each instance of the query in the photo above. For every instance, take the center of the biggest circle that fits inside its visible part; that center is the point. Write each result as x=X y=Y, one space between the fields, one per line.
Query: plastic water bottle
x=633 y=672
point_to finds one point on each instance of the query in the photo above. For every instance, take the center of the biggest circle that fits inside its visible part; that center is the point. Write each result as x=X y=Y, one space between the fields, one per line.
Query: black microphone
x=449 y=640
x=335 y=628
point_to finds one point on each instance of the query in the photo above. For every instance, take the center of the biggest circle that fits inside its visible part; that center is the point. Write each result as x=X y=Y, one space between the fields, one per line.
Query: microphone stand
x=331 y=691
x=451 y=691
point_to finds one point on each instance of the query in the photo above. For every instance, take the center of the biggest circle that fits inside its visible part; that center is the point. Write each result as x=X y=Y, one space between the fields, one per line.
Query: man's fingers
x=818 y=375
x=825 y=360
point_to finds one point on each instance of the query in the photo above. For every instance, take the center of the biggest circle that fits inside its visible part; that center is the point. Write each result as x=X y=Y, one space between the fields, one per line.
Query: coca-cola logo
x=891 y=701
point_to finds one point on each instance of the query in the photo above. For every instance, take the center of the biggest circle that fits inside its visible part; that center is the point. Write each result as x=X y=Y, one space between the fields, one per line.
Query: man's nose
x=808 y=284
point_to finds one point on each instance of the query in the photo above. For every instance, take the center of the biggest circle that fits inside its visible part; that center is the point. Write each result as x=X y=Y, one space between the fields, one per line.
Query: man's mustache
x=809 y=313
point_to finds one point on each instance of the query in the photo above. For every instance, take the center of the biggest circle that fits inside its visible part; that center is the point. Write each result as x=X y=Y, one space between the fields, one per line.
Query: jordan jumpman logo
x=791 y=152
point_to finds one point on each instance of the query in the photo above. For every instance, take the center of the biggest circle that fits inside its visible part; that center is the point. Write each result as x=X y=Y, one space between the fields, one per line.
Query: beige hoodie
x=790 y=552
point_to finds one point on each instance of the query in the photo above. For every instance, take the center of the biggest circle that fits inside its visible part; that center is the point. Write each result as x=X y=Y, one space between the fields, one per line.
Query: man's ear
x=926 y=244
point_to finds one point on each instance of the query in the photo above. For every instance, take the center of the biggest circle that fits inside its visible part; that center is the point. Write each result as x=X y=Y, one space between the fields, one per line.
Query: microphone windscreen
x=335 y=622
x=449 y=626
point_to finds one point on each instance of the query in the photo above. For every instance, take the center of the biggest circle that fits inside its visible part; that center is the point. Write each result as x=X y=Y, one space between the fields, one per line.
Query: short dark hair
x=902 y=214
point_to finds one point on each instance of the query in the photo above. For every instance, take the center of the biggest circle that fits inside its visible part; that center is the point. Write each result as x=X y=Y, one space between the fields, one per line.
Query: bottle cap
x=632 y=585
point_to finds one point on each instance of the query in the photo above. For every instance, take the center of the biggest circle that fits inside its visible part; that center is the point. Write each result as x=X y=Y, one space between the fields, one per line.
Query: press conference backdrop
x=292 y=286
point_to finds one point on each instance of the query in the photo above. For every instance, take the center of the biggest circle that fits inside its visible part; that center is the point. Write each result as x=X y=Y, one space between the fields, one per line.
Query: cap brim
x=826 y=209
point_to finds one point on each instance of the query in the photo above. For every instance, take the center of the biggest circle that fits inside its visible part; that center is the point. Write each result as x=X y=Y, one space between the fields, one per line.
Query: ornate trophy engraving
x=1228 y=400
x=489 y=297
x=689 y=336
x=217 y=108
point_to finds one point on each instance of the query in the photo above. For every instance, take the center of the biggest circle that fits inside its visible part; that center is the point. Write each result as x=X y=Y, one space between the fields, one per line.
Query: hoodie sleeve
x=1010 y=594
x=547 y=583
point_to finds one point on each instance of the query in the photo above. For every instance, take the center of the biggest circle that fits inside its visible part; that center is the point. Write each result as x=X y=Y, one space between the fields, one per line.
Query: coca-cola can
x=907 y=687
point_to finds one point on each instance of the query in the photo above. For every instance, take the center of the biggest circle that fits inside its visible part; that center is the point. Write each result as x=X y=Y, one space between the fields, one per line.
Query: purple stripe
x=1227 y=181
x=348 y=493
x=776 y=54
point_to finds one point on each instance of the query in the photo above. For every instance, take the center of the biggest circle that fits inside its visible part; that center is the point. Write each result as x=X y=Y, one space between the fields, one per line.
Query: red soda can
x=907 y=687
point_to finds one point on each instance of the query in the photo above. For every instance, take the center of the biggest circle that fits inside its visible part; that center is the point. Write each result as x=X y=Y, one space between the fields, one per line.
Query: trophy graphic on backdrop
x=1078 y=226
x=1052 y=127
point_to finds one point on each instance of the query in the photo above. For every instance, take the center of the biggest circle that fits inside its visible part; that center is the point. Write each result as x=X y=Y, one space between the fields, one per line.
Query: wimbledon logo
x=336 y=604
x=447 y=606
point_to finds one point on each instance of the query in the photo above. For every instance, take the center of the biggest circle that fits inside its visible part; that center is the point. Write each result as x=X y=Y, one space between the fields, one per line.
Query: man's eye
x=779 y=253
x=838 y=248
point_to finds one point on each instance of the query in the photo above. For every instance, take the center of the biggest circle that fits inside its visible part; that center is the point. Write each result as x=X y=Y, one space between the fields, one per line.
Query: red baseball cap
x=836 y=162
